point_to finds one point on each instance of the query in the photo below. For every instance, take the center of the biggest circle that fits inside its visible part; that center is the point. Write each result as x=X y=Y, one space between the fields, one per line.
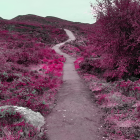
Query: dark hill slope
x=54 y=21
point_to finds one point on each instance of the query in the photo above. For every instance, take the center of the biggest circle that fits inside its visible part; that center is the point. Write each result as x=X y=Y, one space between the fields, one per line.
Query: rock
x=137 y=104
x=133 y=79
x=31 y=117
x=118 y=98
x=121 y=123
x=109 y=105
x=127 y=123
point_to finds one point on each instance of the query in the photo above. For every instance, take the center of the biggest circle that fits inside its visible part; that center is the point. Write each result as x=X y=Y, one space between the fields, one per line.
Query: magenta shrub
x=116 y=41
x=25 y=45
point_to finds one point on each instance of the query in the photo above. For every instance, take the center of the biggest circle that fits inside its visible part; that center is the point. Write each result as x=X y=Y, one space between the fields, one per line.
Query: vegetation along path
x=74 y=117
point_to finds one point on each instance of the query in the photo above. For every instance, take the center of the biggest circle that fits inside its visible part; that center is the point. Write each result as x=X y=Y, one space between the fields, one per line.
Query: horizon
x=74 y=11
x=45 y=17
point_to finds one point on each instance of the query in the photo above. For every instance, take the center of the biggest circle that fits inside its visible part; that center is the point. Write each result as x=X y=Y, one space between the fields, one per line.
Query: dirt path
x=74 y=117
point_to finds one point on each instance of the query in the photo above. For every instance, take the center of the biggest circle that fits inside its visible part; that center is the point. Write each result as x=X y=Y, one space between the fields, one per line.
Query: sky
x=71 y=10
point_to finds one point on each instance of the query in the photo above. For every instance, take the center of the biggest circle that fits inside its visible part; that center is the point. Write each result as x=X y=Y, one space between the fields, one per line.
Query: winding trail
x=75 y=117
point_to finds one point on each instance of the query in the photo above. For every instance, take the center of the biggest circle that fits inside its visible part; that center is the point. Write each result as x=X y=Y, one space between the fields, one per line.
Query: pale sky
x=72 y=10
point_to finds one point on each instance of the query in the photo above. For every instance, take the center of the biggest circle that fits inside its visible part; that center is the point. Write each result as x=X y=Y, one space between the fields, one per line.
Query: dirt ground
x=75 y=116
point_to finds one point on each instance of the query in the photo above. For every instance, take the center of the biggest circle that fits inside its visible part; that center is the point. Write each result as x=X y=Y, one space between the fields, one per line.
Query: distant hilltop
x=52 y=21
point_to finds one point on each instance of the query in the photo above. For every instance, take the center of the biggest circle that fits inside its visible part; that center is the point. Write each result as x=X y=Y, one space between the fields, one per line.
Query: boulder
x=31 y=117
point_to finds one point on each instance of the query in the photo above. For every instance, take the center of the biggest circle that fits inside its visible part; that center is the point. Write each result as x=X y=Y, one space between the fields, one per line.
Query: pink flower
x=58 y=74
x=44 y=67
x=77 y=66
x=50 y=61
x=136 y=88
x=45 y=60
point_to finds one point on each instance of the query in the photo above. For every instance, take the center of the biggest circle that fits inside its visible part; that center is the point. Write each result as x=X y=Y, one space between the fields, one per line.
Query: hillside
x=24 y=45
x=54 y=21
x=31 y=72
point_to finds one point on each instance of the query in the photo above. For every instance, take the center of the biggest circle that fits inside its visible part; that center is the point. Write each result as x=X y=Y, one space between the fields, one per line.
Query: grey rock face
x=31 y=117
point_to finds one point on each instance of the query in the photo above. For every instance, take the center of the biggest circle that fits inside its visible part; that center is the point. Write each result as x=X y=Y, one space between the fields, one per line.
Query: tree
x=120 y=24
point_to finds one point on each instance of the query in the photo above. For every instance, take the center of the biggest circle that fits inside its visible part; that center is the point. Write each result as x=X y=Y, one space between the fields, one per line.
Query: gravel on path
x=75 y=116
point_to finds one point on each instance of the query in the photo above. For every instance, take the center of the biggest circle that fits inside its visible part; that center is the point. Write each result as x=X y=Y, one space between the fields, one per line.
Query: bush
x=120 y=27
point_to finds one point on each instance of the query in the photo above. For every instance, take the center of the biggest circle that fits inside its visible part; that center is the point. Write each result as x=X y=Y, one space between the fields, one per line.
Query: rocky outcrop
x=31 y=117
